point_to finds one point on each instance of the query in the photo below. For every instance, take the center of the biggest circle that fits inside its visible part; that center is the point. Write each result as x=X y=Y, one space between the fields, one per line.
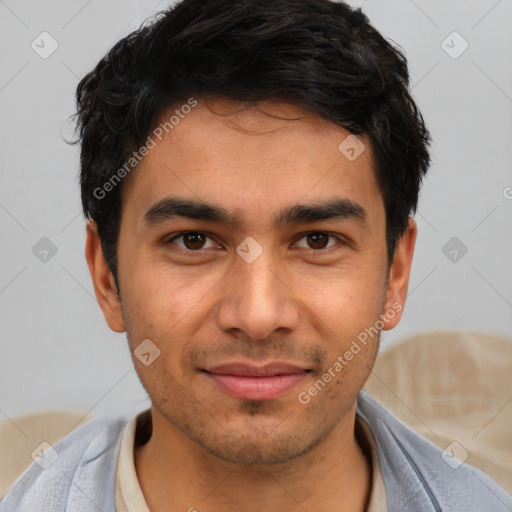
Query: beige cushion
x=21 y=436
x=453 y=387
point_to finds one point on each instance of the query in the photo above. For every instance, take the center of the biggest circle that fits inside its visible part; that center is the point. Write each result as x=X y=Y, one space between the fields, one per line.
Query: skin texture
x=296 y=302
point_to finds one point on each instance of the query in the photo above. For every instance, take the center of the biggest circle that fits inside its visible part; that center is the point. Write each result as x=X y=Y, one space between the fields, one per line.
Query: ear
x=399 y=277
x=103 y=280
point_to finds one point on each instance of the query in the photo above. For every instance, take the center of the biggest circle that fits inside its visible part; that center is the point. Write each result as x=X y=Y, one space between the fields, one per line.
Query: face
x=252 y=255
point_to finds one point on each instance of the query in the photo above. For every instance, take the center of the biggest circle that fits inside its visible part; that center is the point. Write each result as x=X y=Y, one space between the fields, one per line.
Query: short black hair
x=320 y=55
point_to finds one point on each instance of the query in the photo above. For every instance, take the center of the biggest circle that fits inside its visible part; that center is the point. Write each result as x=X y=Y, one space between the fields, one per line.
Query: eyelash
x=202 y=251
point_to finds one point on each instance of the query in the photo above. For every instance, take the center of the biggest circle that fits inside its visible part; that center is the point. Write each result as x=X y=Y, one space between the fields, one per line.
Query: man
x=249 y=169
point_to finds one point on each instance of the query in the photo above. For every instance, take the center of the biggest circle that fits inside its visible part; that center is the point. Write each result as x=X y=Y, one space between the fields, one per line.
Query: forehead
x=258 y=157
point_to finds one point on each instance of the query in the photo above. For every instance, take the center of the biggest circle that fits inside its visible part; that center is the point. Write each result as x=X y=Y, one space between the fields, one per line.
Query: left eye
x=192 y=240
x=318 y=240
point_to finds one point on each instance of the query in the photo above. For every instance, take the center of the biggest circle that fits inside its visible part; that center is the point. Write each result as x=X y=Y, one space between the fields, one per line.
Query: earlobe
x=399 y=277
x=103 y=280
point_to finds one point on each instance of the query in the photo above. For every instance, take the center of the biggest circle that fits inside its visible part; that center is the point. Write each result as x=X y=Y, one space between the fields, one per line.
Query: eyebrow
x=334 y=208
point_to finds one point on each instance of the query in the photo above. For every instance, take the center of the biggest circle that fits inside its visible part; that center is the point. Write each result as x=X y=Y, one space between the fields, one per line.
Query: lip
x=244 y=369
x=250 y=382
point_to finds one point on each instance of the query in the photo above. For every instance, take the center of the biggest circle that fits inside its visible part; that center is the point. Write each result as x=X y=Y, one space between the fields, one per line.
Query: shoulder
x=76 y=474
x=418 y=475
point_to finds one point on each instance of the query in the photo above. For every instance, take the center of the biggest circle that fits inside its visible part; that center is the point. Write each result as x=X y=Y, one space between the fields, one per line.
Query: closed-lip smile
x=248 y=381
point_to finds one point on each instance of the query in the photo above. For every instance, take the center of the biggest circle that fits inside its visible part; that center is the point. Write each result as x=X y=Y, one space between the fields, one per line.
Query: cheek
x=346 y=301
x=154 y=292
x=346 y=310
x=165 y=307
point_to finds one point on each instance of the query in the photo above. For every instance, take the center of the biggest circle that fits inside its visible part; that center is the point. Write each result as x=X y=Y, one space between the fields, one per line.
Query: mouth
x=249 y=382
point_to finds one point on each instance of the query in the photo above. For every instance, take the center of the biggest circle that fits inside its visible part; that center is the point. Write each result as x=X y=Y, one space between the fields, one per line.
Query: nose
x=258 y=298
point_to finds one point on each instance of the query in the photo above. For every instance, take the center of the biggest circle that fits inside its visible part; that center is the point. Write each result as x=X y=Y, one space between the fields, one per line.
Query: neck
x=335 y=474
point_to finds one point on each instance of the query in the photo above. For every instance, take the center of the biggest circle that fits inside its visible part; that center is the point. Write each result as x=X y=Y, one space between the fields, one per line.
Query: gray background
x=57 y=351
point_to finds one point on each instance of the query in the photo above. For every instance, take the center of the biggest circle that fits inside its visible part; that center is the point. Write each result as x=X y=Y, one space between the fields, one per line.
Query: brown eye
x=191 y=240
x=317 y=240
